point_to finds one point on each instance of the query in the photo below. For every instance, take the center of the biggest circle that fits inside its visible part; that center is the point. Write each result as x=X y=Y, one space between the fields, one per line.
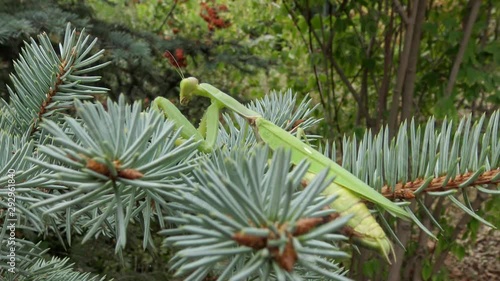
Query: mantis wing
x=276 y=137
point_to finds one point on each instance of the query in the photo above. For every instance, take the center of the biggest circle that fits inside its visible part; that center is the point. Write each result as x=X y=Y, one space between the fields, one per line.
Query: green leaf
x=371 y=267
x=316 y=22
x=426 y=270
x=458 y=251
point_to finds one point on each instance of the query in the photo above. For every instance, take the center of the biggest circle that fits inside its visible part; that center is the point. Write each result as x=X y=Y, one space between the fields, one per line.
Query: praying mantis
x=349 y=189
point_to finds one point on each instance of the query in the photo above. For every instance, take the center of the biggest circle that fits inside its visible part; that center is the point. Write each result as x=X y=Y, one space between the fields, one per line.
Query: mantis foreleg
x=206 y=134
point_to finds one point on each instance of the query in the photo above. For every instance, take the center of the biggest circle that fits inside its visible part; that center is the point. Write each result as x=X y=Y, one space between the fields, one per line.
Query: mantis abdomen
x=362 y=227
x=365 y=229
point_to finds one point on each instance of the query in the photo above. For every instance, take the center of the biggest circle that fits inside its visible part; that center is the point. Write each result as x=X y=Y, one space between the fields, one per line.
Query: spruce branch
x=13 y=28
x=114 y=164
x=55 y=269
x=245 y=217
x=27 y=254
x=20 y=186
x=278 y=107
x=440 y=163
x=46 y=83
x=474 y=179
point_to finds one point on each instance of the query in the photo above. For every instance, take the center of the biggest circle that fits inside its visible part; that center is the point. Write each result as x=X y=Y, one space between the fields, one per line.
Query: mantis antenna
x=178 y=68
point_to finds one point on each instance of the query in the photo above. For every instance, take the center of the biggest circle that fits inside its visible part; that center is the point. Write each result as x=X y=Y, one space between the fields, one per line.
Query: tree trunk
x=403 y=63
x=386 y=79
x=403 y=232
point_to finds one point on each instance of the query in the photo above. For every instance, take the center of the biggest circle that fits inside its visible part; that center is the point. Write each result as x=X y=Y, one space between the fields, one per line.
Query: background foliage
x=367 y=63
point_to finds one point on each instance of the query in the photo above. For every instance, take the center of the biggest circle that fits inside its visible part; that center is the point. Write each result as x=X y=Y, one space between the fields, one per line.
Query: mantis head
x=188 y=88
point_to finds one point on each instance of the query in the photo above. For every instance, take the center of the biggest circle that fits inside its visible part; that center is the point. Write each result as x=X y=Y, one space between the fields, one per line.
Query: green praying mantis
x=349 y=189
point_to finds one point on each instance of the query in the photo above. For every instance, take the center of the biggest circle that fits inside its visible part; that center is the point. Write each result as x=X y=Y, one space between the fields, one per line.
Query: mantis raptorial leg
x=349 y=188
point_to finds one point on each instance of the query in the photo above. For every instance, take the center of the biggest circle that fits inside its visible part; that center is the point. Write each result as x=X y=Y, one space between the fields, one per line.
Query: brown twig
x=406 y=190
x=335 y=65
x=324 y=100
x=52 y=92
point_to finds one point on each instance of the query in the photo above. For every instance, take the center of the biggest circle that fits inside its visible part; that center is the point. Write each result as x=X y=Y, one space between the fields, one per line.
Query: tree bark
x=363 y=109
x=386 y=79
x=422 y=252
x=411 y=71
x=403 y=231
x=403 y=63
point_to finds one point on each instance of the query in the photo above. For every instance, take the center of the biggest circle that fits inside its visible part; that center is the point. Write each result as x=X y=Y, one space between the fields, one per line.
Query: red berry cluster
x=177 y=59
x=210 y=13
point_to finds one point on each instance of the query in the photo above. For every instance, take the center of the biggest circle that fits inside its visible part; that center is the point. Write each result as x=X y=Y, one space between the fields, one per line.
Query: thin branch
x=327 y=51
x=167 y=17
x=401 y=11
x=336 y=105
x=309 y=49
x=346 y=81
x=463 y=46
x=337 y=68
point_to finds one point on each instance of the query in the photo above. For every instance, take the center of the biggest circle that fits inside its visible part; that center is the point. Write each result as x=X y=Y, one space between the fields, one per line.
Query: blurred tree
x=135 y=36
x=378 y=62
x=393 y=59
